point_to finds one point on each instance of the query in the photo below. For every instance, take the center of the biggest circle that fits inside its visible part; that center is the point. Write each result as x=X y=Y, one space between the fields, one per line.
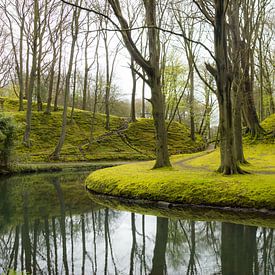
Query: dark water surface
x=49 y=225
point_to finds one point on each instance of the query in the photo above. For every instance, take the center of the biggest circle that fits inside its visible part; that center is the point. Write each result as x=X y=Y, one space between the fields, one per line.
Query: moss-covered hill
x=125 y=141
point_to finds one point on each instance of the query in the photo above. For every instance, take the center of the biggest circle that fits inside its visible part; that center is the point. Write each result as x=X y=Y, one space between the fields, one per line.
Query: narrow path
x=182 y=163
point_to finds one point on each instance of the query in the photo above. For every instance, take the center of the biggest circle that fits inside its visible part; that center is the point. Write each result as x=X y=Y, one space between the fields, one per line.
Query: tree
x=19 y=19
x=223 y=76
x=53 y=33
x=26 y=138
x=74 y=33
x=42 y=24
x=250 y=31
x=152 y=69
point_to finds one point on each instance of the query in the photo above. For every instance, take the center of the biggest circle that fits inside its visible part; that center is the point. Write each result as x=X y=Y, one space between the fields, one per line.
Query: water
x=49 y=225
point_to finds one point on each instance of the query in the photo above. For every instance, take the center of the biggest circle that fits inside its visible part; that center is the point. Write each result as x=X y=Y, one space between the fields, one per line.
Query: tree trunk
x=229 y=164
x=247 y=64
x=86 y=73
x=157 y=98
x=107 y=84
x=57 y=89
x=27 y=72
x=134 y=88
x=21 y=82
x=237 y=92
x=57 y=151
x=162 y=154
x=52 y=73
x=143 y=98
x=26 y=138
x=74 y=87
x=152 y=69
x=191 y=102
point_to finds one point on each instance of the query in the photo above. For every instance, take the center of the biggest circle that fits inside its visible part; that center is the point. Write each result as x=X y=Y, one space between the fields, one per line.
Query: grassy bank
x=124 y=141
x=192 y=180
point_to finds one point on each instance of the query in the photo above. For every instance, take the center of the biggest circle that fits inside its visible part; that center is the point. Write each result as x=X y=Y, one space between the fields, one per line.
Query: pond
x=50 y=225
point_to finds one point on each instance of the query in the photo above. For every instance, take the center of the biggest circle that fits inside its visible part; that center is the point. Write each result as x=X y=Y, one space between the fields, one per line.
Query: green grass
x=135 y=143
x=193 y=181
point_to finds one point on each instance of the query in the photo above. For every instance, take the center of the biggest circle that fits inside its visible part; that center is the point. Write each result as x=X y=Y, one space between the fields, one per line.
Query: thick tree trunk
x=237 y=92
x=250 y=114
x=229 y=164
x=157 y=99
x=249 y=109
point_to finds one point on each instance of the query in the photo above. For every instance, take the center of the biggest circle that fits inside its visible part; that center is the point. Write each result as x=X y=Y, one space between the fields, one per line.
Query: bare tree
x=26 y=138
x=74 y=34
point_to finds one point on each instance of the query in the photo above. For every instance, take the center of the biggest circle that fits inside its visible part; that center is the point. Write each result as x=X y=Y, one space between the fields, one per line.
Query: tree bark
x=134 y=88
x=26 y=138
x=237 y=92
x=229 y=164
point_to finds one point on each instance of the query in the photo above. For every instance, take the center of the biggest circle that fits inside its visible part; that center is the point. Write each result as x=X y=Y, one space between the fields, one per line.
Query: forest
x=208 y=64
x=137 y=137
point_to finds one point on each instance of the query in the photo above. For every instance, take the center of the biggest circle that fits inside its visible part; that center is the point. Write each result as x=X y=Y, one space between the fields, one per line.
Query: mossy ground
x=133 y=143
x=193 y=180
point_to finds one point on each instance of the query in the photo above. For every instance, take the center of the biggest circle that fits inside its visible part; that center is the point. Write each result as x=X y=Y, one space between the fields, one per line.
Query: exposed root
x=232 y=170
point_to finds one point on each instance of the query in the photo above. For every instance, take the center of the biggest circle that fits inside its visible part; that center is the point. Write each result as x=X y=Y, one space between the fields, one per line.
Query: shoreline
x=41 y=167
x=246 y=216
x=193 y=181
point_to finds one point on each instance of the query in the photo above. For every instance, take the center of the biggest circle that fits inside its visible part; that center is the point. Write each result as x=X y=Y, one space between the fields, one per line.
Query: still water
x=50 y=225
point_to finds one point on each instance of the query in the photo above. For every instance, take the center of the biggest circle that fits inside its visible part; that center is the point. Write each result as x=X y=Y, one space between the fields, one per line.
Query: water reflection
x=48 y=225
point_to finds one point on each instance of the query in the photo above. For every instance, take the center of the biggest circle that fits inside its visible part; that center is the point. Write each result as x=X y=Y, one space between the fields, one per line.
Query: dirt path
x=182 y=163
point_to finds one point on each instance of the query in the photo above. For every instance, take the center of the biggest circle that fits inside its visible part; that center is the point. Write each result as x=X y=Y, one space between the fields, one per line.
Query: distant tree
x=15 y=20
x=74 y=34
x=26 y=138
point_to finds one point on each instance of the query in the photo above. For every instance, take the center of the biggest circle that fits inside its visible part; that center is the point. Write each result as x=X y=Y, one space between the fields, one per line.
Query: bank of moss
x=192 y=180
x=124 y=141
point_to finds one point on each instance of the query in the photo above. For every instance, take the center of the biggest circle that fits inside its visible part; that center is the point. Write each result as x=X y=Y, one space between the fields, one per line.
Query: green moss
x=141 y=134
x=269 y=123
x=192 y=181
x=135 y=143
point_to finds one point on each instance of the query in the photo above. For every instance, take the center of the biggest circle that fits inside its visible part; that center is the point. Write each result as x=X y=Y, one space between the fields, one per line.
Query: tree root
x=232 y=170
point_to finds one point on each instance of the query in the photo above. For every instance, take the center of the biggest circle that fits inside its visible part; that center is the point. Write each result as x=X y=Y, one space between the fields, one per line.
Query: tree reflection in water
x=68 y=234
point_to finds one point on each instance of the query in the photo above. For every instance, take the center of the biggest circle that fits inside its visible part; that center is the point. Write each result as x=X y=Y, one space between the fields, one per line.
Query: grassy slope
x=192 y=180
x=136 y=142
